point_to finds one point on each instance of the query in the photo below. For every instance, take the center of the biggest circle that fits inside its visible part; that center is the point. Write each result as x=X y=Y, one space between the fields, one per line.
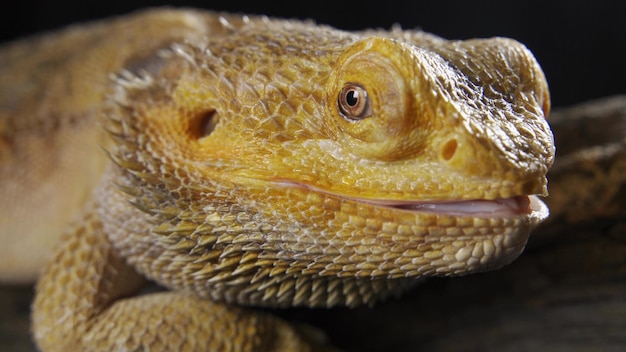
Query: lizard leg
x=84 y=302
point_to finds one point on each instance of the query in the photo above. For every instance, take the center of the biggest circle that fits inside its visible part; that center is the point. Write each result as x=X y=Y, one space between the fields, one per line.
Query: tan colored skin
x=237 y=179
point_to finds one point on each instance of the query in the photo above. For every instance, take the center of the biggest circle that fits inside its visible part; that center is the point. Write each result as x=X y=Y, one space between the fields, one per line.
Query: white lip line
x=502 y=207
x=512 y=206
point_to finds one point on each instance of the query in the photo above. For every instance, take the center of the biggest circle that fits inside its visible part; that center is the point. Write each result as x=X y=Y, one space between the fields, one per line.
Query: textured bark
x=565 y=293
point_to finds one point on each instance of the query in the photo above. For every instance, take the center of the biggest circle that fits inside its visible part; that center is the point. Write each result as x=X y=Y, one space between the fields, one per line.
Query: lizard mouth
x=516 y=206
x=503 y=207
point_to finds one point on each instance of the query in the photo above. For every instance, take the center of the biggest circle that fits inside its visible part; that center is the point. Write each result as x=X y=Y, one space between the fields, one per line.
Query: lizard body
x=261 y=162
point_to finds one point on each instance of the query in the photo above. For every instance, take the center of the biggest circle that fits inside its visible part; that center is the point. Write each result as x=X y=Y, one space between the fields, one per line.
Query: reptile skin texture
x=245 y=162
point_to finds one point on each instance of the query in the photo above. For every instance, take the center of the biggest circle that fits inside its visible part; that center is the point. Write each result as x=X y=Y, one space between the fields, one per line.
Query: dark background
x=580 y=44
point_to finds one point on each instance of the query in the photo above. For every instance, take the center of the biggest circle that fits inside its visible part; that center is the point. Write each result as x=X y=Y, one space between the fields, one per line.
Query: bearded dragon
x=242 y=162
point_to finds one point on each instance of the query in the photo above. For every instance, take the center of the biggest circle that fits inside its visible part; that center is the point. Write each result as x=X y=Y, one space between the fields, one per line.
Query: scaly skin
x=261 y=162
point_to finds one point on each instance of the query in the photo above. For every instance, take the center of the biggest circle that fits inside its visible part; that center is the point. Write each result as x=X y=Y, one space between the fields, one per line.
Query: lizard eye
x=353 y=102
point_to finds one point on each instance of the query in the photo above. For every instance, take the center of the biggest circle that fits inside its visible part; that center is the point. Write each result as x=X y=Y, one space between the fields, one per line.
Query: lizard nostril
x=449 y=149
x=204 y=124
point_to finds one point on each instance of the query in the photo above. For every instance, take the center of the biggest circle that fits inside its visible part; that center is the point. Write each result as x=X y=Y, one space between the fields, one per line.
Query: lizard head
x=284 y=153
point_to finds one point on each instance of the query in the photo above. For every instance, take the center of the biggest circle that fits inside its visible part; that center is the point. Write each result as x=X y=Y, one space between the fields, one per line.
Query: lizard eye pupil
x=354 y=102
x=352 y=98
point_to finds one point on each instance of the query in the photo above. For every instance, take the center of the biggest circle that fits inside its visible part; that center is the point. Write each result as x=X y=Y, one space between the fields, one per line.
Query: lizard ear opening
x=204 y=123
